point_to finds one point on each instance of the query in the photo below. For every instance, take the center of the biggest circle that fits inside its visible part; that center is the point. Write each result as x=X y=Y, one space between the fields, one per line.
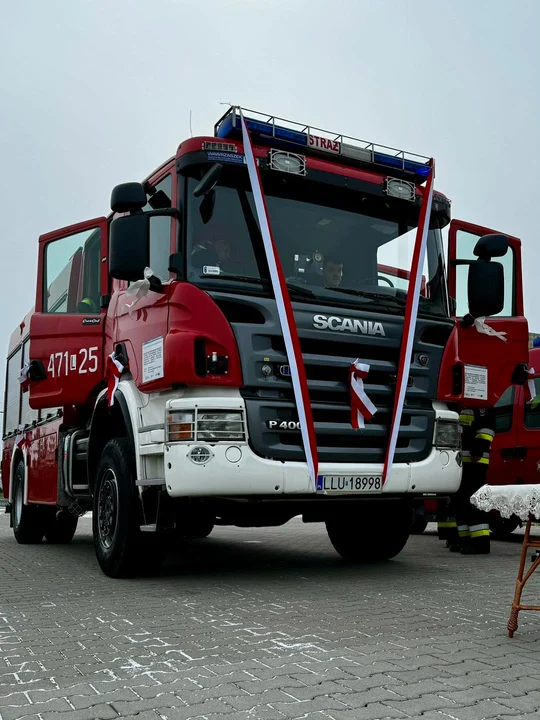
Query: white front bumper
x=235 y=470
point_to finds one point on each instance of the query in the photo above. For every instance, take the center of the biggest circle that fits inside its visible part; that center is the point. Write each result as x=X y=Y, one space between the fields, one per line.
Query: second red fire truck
x=195 y=424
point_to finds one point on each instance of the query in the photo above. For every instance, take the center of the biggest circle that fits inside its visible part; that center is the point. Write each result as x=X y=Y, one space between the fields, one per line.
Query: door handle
x=517 y=453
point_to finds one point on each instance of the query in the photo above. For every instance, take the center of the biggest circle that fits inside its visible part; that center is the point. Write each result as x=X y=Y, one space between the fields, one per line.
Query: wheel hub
x=108 y=509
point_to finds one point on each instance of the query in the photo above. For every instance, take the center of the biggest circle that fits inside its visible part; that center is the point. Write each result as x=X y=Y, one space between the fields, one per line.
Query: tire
x=503 y=527
x=364 y=538
x=122 y=550
x=419 y=523
x=61 y=528
x=196 y=531
x=28 y=520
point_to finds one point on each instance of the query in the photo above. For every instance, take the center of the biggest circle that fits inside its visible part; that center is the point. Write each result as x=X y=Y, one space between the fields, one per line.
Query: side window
x=532 y=410
x=504 y=409
x=13 y=393
x=72 y=274
x=160 y=229
x=465 y=242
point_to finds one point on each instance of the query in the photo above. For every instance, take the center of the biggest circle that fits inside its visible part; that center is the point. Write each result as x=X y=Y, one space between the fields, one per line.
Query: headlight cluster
x=210 y=426
x=448 y=434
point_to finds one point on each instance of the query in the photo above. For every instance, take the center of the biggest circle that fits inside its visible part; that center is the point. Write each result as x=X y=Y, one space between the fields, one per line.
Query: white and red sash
x=409 y=324
x=285 y=312
x=113 y=373
x=362 y=408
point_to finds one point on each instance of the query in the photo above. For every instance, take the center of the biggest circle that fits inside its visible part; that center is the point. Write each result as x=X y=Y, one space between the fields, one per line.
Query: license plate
x=349 y=483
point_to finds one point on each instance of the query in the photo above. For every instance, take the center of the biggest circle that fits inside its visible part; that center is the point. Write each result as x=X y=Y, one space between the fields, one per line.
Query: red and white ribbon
x=20 y=438
x=138 y=290
x=285 y=312
x=114 y=371
x=362 y=408
x=481 y=327
x=530 y=388
x=409 y=324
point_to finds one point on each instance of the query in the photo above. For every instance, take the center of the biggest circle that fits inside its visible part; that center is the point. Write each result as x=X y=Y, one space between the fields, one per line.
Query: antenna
x=190 y=128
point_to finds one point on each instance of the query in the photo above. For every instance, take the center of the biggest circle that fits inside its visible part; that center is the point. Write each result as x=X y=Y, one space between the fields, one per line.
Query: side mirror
x=208 y=181
x=128 y=197
x=490 y=246
x=129 y=247
x=206 y=208
x=485 y=288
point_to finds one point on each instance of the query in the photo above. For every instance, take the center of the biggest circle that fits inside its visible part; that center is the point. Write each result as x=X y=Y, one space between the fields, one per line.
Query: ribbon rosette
x=362 y=408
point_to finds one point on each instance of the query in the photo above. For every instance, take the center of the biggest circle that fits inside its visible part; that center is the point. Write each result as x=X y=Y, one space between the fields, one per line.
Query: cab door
x=478 y=368
x=66 y=329
x=504 y=460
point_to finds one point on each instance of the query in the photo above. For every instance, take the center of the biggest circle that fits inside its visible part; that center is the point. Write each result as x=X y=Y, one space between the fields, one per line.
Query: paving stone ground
x=264 y=624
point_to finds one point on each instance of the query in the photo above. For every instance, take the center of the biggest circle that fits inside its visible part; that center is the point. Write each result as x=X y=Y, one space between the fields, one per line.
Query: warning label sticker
x=476 y=380
x=152 y=359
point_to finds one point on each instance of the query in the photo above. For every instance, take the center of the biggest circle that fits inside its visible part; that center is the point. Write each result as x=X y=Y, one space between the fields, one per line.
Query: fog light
x=266 y=370
x=200 y=455
x=447 y=435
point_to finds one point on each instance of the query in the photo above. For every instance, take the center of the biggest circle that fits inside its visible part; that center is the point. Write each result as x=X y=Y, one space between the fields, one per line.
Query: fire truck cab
x=195 y=424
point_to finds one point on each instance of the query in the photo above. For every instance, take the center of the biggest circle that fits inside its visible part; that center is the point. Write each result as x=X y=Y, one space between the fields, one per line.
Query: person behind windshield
x=332 y=271
x=212 y=251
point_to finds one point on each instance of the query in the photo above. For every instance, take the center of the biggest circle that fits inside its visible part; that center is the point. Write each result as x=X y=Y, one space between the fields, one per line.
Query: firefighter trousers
x=472 y=523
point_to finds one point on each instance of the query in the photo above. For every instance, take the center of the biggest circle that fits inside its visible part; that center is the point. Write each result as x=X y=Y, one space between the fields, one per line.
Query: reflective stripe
x=463 y=530
x=480 y=533
x=483 y=461
x=486 y=431
x=480 y=526
x=450 y=523
x=466 y=418
x=463 y=527
x=483 y=435
x=467 y=459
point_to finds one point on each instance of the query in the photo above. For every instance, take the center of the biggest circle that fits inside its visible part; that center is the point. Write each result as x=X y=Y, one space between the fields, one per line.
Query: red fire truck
x=202 y=428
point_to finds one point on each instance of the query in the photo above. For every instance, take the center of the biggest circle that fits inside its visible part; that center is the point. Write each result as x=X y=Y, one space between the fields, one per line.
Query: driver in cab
x=332 y=271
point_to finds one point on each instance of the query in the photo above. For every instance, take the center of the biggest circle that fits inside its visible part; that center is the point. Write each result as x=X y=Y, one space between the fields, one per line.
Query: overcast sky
x=94 y=93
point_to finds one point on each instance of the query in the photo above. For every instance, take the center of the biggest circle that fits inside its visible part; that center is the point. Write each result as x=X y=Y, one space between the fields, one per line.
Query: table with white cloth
x=523 y=501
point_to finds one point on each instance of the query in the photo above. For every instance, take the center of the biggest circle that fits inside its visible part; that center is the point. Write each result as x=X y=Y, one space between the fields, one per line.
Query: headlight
x=216 y=425
x=180 y=425
x=448 y=434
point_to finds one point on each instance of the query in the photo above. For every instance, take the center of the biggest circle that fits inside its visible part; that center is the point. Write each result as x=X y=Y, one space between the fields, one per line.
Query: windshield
x=337 y=245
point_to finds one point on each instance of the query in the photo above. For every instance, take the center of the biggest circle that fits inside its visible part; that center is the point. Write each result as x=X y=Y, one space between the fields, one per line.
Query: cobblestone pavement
x=262 y=625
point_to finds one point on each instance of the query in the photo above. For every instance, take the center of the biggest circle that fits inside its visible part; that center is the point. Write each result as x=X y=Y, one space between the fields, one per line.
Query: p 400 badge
x=283 y=424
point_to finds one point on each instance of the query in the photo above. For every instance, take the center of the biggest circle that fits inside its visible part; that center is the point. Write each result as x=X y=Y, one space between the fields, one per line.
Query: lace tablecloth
x=520 y=500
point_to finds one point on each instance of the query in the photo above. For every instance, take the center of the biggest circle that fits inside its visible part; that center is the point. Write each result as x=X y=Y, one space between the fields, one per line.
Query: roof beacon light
x=400 y=189
x=286 y=135
x=287 y=162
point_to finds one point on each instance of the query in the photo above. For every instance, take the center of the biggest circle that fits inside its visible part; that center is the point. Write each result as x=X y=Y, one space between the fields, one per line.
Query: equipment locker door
x=66 y=330
x=484 y=365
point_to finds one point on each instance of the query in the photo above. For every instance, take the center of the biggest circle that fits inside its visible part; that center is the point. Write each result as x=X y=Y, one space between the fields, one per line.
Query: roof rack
x=287 y=133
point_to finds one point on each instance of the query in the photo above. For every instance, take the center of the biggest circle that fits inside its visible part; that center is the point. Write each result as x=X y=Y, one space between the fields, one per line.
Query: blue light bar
x=231 y=126
x=536 y=342
x=363 y=153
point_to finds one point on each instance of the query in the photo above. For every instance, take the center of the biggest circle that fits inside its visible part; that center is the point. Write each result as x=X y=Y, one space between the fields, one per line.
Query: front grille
x=327 y=358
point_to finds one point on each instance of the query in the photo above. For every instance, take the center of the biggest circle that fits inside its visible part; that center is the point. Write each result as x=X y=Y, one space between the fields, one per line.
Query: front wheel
x=121 y=548
x=28 y=520
x=364 y=537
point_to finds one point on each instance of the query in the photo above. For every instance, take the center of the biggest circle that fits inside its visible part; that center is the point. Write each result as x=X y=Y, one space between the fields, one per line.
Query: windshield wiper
x=294 y=289
x=299 y=290
x=367 y=294
x=241 y=278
